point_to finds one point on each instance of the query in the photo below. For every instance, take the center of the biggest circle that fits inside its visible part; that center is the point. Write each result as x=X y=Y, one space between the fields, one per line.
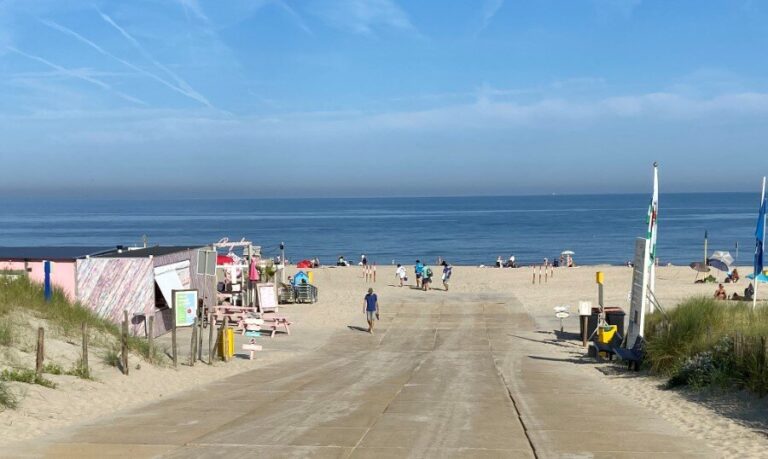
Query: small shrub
x=53 y=369
x=112 y=357
x=26 y=376
x=79 y=371
x=6 y=332
x=7 y=398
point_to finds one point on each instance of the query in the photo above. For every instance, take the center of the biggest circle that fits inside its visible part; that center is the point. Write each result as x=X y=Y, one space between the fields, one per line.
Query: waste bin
x=613 y=315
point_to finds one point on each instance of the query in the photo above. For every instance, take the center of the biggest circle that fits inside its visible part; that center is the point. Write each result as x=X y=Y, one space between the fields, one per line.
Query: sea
x=600 y=229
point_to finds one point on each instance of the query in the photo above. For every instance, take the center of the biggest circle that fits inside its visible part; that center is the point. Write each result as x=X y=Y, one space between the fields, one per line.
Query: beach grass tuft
x=7 y=398
x=26 y=375
x=6 y=331
x=708 y=343
x=111 y=357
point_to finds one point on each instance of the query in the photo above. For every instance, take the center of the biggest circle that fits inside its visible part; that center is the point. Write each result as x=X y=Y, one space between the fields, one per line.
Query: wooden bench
x=632 y=356
x=608 y=348
x=272 y=322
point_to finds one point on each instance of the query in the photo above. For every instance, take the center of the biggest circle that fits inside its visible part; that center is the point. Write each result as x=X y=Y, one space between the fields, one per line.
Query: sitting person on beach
x=342 y=261
x=499 y=262
x=720 y=293
x=733 y=277
x=749 y=292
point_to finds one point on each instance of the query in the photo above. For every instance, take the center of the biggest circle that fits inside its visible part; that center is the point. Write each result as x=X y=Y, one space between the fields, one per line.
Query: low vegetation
x=28 y=376
x=7 y=398
x=708 y=343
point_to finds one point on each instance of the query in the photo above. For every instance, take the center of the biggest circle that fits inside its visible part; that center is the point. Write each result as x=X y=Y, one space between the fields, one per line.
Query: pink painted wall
x=62 y=274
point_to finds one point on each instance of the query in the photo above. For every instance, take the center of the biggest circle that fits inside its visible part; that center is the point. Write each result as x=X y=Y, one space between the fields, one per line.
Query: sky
x=269 y=98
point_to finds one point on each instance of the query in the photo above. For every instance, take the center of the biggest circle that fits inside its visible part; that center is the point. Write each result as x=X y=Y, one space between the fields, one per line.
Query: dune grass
x=7 y=398
x=703 y=342
x=26 y=375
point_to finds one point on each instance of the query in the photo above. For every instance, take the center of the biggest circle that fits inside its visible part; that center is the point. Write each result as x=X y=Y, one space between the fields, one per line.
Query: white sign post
x=639 y=297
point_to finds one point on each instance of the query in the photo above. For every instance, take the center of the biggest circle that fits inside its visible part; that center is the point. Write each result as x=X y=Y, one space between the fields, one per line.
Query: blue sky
x=380 y=97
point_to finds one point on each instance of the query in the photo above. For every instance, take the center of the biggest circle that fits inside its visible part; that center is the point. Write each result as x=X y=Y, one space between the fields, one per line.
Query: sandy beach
x=732 y=425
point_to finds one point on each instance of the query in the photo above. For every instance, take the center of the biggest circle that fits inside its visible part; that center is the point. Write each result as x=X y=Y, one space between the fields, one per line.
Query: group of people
x=510 y=263
x=721 y=294
x=424 y=275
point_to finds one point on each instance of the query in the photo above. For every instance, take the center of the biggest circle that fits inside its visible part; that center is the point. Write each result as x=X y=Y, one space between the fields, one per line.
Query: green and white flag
x=652 y=220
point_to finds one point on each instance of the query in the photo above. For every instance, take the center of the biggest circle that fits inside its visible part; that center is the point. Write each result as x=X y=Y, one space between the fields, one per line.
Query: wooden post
x=546 y=273
x=174 y=348
x=192 y=344
x=539 y=274
x=84 y=360
x=200 y=338
x=151 y=336
x=211 y=326
x=125 y=343
x=40 y=351
x=374 y=273
x=584 y=325
x=534 y=275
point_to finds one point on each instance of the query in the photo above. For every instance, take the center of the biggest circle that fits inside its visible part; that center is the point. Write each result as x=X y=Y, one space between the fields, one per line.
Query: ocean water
x=463 y=230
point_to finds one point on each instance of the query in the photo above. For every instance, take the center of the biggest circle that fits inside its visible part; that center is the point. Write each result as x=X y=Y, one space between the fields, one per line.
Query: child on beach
x=401 y=275
x=447 y=271
x=371 y=308
x=418 y=269
x=426 y=277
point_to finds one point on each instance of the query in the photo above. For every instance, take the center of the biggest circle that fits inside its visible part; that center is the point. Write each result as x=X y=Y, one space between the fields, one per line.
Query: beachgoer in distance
x=400 y=273
x=499 y=262
x=426 y=277
x=419 y=270
x=748 y=294
x=342 y=261
x=447 y=272
x=733 y=277
x=720 y=293
x=371 y=309
x=363 y=260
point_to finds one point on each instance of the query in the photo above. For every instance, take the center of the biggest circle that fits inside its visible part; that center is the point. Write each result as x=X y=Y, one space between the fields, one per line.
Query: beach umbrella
x=761 y=278
x=721 y=261
x=699 y=267
x=568 y=252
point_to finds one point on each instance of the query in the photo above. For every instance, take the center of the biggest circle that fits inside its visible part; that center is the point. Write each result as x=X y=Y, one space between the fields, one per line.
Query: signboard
x=267 y=297
x=185 y=307
x=639 y=299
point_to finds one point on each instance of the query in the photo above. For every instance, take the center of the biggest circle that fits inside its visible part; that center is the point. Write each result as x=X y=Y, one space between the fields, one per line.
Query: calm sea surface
x=472 y=230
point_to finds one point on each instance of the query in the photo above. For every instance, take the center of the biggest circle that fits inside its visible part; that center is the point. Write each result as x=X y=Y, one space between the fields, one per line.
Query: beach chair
x=633 y=356
x=286 y=294
x=609 y=347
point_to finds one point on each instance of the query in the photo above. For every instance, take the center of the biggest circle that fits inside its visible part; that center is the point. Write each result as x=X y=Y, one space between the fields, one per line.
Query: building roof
x=155 y=251
x=49 y=253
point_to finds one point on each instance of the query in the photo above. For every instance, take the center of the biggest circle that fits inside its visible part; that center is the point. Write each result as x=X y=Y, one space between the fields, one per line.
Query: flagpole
x=757 y=281
x=652 y=229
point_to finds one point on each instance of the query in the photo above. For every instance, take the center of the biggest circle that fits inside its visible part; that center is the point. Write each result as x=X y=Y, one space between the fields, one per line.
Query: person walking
x=426 y=277
x=447 y=272
x=371 y=308
x=401 y=274
x=419 y=270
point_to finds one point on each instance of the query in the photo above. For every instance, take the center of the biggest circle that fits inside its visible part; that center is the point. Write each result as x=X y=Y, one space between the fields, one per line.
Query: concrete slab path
x=466 y=378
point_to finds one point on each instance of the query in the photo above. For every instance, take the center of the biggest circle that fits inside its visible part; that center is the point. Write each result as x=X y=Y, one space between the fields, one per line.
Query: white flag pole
x=757 y=282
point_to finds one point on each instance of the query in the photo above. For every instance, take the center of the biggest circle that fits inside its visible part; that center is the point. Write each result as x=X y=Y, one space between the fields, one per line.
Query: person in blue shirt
x=371 y=308
x=419 y=270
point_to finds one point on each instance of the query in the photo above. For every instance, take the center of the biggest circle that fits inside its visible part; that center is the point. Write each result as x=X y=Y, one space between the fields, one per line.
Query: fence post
x=193 y=342
x=151 y=336
x=174 y=350
x=84 y=361
x=211 y=326
x=125 y=343
x=39 y=361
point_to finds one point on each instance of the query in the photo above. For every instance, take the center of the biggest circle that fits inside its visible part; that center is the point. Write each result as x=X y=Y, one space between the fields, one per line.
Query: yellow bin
x=605 y=334
x=311 y=277
x=227 y=343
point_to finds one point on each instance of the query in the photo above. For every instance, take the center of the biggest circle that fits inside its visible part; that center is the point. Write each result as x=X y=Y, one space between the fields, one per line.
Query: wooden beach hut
x=141 y=280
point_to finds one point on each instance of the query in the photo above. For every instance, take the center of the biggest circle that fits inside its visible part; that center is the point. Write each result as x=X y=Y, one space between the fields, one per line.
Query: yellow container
x=605 y=334
x=311 y=277
x=227 y=343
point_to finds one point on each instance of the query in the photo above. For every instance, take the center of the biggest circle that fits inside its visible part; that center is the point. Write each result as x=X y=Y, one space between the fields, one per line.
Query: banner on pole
x=639 y=298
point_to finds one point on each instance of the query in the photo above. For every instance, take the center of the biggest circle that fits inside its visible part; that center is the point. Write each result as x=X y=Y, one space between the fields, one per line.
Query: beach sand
x=731 y=424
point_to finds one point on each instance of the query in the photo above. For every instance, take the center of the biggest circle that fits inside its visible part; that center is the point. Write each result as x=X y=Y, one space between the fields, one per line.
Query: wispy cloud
x=488 y=11
x=192 y=6
x=183 y=85
x=293 y=14
x=101 y=50
x=78 y=75
x=363 y=16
